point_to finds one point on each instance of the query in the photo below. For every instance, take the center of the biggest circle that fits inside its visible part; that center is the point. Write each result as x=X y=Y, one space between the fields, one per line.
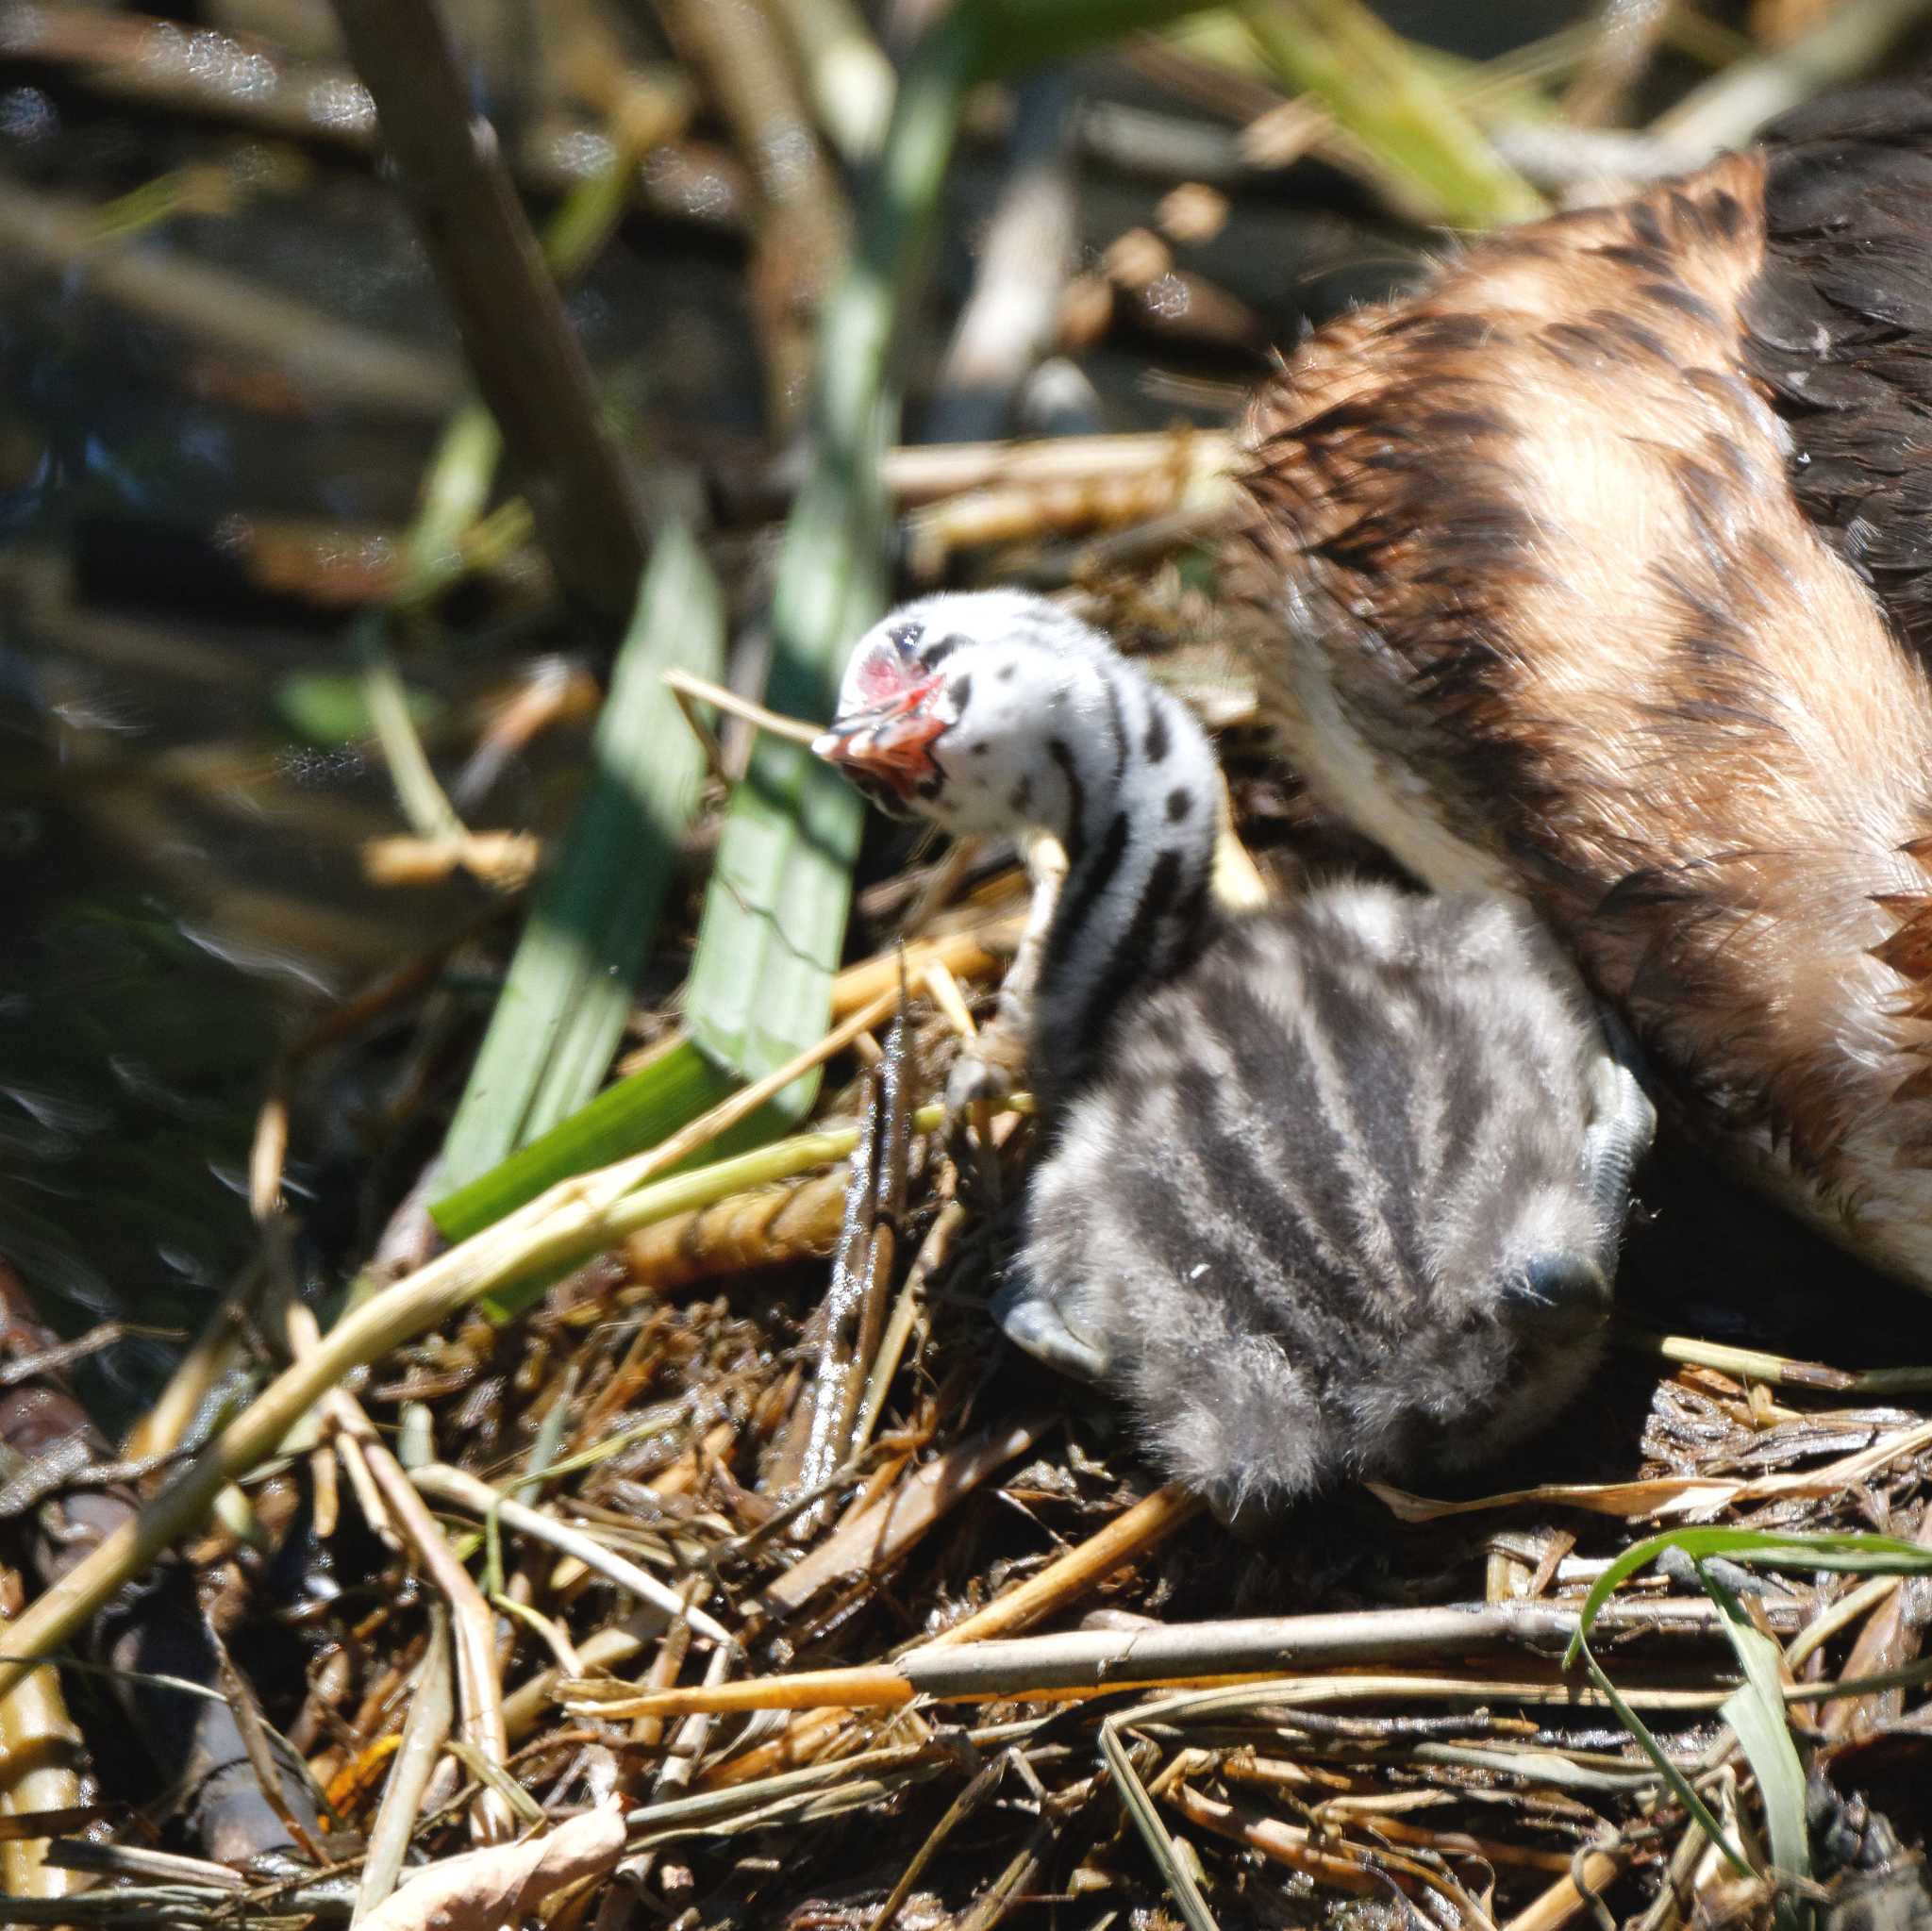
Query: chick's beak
x=888 y=743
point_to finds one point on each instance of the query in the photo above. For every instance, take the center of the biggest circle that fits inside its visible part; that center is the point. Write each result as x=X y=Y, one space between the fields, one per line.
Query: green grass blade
x=1756 y=1714
x=1679 y=1784
x=1146 y=1820
x=562 y=1007
x=1370 y=79
x=1848 y=1554
x=636 y=1112
x=773 y=921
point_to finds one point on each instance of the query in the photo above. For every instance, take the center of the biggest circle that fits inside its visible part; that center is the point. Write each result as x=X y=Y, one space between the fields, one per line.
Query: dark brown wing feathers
x=1839 y=326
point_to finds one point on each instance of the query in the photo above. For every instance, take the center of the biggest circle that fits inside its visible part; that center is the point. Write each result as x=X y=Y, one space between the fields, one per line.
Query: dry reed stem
x=480 y=1688
x=504 y=860
x=424 y=1727
x=875 y=1537
x=1054 y=509
x=40 y=1748
x=570 y=1220
x=1555 y=1906
x=922 y=472
x=444 y=1484
x=1753 y=1364
x=688 y=684
x=764 y=1227
x=1128 y=1537
x=1840 y=1615
x=933 y=1251
x=1284 y=1843
x=1692 y=1496
x=1086 y=1662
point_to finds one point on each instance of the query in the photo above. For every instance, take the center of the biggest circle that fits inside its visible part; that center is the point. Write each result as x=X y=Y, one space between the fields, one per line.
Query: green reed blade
x=563 y=1006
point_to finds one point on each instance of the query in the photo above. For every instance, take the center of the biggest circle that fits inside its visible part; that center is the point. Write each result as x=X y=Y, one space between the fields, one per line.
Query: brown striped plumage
x=1598 y=572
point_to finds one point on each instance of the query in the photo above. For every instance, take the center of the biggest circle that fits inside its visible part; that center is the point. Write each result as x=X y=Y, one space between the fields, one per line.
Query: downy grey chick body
x=1332 y=1190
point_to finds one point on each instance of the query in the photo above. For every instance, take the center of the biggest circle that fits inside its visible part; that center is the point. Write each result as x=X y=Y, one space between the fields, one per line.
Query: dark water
x=183 y=891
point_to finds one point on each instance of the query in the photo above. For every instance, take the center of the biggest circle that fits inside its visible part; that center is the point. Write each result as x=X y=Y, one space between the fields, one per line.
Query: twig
x=879 y=1534
x=424 y=801
x=424 y=1728
x=1564 y=1898
x=1753 y=1364
x=763 y=1228
x=526 y=360
x=1691 y=1496
x=1097 y=1660
x=852 y=1315
x=1128 y=1537
x=481 y=1691
x=41 y=1747
x=922 y=472
x=468 y=1492
x=688 y=684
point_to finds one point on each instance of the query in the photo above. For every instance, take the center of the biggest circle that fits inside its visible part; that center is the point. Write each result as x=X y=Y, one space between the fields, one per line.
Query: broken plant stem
x=442 y=1484
x=688 y=684
x=1086 y=1661
x=568 y=1224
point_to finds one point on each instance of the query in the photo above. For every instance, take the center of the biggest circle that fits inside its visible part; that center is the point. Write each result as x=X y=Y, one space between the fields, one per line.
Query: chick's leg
x=1566 y=1294
x=995 y=1064
x=1621 y=1124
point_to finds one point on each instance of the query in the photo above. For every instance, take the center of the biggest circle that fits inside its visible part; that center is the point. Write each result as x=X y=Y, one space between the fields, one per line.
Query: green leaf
x=773 y=922
x=1394 y=106
x=1756 y=1714
x=1850 y=1554
x=640 y=1111
x=326 y=707
x=563 y=1007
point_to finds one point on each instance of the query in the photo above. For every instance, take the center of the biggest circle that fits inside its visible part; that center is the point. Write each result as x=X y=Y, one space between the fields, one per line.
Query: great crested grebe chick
x=1333 y=1190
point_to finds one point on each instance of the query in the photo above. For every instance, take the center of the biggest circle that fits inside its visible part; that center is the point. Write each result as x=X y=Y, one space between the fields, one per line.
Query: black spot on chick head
x=1154 y=747
x=962 y=693
x=1022 y=800
x=1180 y=801
x=1009 y=671
x=937 y=653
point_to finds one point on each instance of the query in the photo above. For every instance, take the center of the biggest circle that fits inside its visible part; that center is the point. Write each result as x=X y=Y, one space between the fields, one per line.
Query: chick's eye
x=907 y=635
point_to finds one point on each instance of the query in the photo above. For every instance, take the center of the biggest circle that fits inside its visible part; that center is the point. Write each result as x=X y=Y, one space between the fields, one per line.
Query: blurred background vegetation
x=300 y=674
